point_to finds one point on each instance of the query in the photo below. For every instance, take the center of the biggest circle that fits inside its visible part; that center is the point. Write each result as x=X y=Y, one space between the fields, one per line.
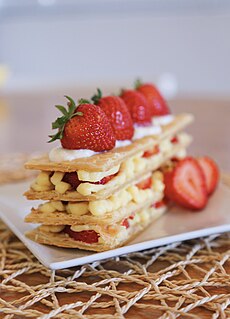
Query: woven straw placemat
x=181 y=280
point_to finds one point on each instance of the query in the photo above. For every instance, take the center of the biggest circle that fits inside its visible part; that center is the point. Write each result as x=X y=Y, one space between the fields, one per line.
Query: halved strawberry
x=105 y=179
x=185 y=184
x=85 y=126
x=146 y=183
x=125 y=223
x=155 y=150
x=174 y=140
x=159 y=204
x=117 y=113
x=157 y=104
x=137 y=106
x=86 y=236
x=211 y=173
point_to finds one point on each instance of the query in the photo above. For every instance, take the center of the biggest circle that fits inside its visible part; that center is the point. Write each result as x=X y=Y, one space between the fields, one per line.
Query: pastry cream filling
x=125 y=171
x=116 y=201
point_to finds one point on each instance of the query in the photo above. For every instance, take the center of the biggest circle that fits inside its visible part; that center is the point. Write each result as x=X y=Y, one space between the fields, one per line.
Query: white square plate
x=176 y=225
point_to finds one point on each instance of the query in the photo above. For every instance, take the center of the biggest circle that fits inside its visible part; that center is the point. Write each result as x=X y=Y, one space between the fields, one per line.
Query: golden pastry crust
x=73 y=195
x=105 y=161
x=109 y=242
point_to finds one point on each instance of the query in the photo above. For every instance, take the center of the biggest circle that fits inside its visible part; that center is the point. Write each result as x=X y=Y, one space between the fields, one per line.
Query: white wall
x=107 y=49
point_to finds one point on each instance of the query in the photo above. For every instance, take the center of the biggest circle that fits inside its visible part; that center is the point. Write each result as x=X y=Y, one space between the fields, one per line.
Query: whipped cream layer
x=60 y=154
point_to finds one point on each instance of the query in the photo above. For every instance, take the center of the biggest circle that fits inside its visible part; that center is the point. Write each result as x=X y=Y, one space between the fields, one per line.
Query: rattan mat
x=181 y=280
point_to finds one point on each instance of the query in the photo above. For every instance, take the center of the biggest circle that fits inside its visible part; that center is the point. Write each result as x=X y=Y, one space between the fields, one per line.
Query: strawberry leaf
x=83 y=101
x=62 y=109
x=96 y=97
x=137 y=83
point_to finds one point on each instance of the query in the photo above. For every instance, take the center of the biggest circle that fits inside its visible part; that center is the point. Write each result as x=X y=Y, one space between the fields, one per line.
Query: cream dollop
x=162 y=120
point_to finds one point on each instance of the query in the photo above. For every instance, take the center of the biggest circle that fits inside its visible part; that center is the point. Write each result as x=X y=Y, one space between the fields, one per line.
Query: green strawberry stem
x=137 y=83
x=96 y=97
x=61 y=121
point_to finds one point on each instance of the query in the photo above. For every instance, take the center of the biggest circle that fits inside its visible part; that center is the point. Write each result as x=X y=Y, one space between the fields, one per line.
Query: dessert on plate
x=121 y=162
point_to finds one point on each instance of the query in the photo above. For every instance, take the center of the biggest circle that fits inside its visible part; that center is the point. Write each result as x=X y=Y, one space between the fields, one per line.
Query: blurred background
x=49 y=48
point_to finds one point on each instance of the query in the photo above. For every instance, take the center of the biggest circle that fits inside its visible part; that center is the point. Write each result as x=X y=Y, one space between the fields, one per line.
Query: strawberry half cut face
x=159 y=204
x=211 y=173
x=185 y=184
x=152 y=152
x=147 y=183
x=86 y=236
x=174 y=140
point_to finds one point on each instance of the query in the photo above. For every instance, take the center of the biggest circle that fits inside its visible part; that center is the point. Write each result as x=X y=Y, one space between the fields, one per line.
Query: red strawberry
x=159 y=204
x=72 y=179
x=125 y=223
x=105 y=180
x=152 y=152
x=137 y=106
x=157 y=104
x=211 y=173
x=174 y=140
x=147 y=183
x=86 y=236
x=118 y=114
x=83 y=127
x=185 y=184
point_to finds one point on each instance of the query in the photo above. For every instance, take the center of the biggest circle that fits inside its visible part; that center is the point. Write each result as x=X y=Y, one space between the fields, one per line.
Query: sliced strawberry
x=105 y=180
x=185 y=184
x=85 y=126
x=86 y=236
x=147 y=183
x=72 y=179
x=159 y=204
x=137 y=106
x=157 y=104
x=211 y=173
x=154 y=151
x=174 y=140
x=125 y=223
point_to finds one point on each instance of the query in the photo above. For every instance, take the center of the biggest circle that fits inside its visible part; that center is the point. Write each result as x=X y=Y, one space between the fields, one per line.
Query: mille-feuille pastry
x=95 y=183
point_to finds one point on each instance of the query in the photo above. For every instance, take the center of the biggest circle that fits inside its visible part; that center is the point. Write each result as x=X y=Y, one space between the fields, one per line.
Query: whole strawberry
x=85 y=126
x=137 y=106
x=157 y=104
x=118 y=114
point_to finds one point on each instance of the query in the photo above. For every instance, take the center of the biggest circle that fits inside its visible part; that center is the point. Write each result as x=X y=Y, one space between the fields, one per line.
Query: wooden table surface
x=25 y=122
